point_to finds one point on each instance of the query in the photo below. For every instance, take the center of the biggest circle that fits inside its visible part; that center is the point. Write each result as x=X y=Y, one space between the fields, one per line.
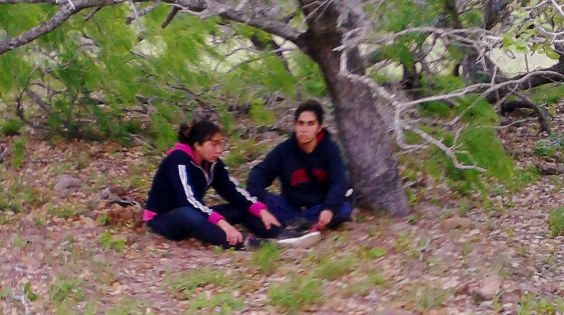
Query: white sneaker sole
x=303 y=241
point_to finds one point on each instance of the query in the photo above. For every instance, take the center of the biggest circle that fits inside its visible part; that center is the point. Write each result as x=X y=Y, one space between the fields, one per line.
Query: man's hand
x=324 y=218
x=233 y=235
x=268 y=219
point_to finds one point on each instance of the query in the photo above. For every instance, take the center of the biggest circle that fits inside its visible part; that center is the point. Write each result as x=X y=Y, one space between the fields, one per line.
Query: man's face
x=307 y=127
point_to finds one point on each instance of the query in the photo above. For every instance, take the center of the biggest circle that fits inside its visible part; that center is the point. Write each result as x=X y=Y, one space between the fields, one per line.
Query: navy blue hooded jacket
x=288 y=161
x=182 y=182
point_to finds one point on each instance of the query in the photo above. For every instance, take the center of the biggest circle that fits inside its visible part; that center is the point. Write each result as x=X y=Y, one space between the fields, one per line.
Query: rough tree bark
x=360 y=116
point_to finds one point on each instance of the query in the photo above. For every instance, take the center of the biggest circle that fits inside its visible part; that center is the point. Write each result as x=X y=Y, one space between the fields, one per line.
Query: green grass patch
x=184 y=284
x=332 y=268
x=266 y=257
x=110 y=241
x=551 y=146
x=221 y=303
x=549 y=94
x=432 y=297
x=63 y=289
x=532 y=304
x=556 y=221
x=66 y=211
x=18 y=241
x=296 y=294
x=11 y=127
x=18 y=153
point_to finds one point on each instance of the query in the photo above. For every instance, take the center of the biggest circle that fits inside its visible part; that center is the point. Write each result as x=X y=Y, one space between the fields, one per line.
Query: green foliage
x=295 y=294
x=103 y=219
x=18 y=153
x=28 y=291
x=488 y=152
x=260 y=114
x=376 y=252
x=265 y=258
x=532 y=304
x=109 y=241
x=11 y=127
x=163 y=133
x=332 y=268
x=556 y=221
x=551 y=146
x=126 y=307
x=187 y=282
x=483 y=149
x=432 y=297
x=244 y=151
x=548 y=94
x=222 y=303
x=65 y=211
x=308 y=76
x=63 y=289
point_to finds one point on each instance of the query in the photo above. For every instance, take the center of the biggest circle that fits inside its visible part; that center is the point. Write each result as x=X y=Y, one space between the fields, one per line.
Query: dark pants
x=186 y=222
x=286 y=212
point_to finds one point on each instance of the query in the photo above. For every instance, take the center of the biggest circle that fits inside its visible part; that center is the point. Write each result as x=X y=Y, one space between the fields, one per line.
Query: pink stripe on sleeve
x=256 y=208
x=215 y=217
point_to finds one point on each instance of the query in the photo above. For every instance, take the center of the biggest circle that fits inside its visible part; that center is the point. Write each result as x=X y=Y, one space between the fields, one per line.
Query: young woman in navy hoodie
x=176 y=208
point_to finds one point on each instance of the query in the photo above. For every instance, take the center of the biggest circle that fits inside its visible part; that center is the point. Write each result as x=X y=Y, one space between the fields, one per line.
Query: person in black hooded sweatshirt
x=311 y=172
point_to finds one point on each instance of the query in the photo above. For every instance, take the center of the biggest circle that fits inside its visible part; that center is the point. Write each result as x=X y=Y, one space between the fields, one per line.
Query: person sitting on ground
x=175 y=208
x=311 y=173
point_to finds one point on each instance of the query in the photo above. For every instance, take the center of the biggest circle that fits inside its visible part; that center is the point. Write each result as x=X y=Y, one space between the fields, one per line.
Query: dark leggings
x=185 y=222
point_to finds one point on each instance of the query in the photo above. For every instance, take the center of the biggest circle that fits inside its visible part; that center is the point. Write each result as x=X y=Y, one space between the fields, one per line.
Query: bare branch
x=170 y=16
x=143 y=12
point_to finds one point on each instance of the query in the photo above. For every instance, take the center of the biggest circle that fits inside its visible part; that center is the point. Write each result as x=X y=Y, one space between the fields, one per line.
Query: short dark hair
x=197 y=132
x=310 y=106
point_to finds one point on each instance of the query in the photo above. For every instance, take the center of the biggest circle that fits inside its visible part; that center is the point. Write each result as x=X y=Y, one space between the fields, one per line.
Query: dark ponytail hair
x=197 y=132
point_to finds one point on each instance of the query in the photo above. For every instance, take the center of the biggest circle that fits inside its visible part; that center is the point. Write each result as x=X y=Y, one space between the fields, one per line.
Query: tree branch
x=59 y=18
x=263 y=22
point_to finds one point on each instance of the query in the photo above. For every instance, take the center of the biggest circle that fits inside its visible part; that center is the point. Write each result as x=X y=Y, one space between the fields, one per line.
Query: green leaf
x=29 y=292
x=551 y=53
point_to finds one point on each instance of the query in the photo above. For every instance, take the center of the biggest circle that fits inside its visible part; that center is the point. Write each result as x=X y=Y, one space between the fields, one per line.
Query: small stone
x=64 y=182
x=489 y=288
x=457 y=222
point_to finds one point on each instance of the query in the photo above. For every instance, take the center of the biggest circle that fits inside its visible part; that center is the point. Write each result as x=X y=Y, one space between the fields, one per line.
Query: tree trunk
x=360 y=116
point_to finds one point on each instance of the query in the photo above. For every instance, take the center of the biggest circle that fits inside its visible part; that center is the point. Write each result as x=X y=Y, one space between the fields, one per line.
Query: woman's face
x=211 y=149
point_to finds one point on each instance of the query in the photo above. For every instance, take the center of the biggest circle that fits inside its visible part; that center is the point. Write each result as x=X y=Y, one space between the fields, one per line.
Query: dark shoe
x=253 y=243
x=299 y=225
x=298 y=239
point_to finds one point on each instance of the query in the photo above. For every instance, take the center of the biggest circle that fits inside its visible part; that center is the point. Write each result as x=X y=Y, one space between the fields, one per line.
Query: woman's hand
x=268 y=219
x=325 y=218
x=233 y=235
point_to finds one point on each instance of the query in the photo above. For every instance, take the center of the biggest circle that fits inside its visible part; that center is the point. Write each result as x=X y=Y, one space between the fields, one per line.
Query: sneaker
x=297 y=239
